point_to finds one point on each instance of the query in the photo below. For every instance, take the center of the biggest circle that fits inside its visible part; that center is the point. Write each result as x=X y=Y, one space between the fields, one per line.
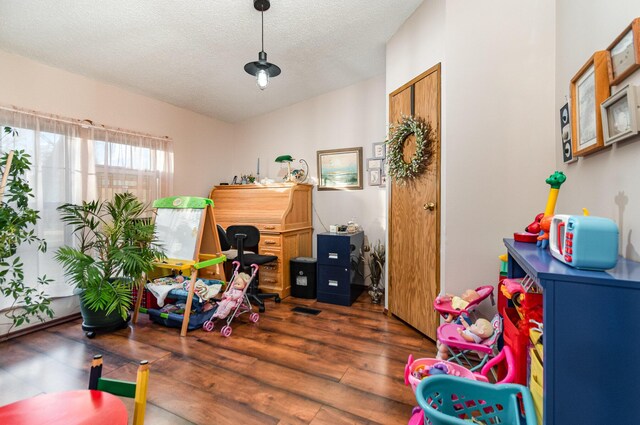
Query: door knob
x=429 y=206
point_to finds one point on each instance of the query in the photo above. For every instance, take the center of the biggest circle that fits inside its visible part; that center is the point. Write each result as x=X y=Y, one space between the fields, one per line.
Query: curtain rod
x=82 y=123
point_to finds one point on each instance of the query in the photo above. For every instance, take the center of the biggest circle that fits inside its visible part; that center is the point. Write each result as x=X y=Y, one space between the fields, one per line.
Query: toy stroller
x=445 y=305
x=234 y=301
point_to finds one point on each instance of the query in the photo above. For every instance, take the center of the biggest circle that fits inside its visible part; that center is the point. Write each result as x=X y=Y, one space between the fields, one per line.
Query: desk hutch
x=282 y=213
x=591 y=337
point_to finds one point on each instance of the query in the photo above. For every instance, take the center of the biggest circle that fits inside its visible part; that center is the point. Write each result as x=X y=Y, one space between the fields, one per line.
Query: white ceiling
x=192 y=53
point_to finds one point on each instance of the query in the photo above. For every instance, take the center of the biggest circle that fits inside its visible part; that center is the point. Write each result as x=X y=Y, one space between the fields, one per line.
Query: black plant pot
x=99 y=321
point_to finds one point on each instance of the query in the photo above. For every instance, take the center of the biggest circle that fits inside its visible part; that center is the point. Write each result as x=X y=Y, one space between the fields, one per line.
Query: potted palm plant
x=115 y=245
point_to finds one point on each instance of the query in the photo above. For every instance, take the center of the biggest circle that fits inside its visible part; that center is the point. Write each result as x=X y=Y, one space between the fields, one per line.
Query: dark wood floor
x=343 y=366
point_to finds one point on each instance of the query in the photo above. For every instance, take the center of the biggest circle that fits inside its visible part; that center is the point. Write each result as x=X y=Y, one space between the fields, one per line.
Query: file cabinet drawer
x=334 y=280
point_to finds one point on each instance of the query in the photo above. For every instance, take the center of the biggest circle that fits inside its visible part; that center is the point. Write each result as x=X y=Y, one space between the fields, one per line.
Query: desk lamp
x=288 y=159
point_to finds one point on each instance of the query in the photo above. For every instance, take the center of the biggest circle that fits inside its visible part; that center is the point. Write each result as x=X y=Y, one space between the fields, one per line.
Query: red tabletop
x=82 y=407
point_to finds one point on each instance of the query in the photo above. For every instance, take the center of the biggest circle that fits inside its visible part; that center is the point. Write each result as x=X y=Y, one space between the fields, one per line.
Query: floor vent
x=306 y=310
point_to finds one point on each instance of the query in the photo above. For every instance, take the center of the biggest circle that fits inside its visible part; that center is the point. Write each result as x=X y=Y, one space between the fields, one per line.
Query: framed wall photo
x=589 y=88
x=374 y=178
x=380 y=150
x=620 y=115
x=624 y=53
x=340 y=169
x=374 y=164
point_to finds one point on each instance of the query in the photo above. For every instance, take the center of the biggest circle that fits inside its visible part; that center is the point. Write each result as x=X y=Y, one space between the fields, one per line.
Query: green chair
x=136 y=390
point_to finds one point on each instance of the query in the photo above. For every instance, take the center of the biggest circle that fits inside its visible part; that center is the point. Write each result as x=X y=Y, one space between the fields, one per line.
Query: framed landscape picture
x=340 y=169
x=589 y=88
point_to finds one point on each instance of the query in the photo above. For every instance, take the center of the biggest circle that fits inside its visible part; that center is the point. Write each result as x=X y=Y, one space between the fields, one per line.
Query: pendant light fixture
x=262 y=69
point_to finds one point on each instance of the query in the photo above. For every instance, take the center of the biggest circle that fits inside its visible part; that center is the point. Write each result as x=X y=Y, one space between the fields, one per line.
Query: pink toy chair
x=459 y=348
x=446 y=310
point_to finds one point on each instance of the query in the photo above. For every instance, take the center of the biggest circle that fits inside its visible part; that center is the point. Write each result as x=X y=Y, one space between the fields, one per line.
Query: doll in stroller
x=234 y=301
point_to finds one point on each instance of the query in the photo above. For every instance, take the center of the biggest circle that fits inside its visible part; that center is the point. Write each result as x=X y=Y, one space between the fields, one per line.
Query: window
x=72 y=162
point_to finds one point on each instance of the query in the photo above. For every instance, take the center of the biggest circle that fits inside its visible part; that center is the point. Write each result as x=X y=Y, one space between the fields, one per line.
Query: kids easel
x=186 y=228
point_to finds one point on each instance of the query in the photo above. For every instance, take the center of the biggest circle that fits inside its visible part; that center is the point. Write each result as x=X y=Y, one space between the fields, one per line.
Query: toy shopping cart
x=451 y=400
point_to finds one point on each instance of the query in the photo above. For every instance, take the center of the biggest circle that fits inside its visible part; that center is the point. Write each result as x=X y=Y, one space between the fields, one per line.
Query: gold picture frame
x=624 y=53
x=340 y=169
x=589 y=88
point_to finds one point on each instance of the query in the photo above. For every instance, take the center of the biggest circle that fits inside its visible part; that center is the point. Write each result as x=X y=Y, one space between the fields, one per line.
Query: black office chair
x=249 y=236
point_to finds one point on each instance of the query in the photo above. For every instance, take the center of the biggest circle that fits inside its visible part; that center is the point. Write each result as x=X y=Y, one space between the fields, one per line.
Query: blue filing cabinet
x=591 y=330
x=339 y=260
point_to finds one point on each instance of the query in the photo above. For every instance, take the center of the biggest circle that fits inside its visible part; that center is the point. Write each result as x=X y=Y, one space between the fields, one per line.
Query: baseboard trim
x=40 y=327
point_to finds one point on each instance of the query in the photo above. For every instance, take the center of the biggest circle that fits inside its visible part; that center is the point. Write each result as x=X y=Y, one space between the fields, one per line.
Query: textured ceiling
x=192 y=53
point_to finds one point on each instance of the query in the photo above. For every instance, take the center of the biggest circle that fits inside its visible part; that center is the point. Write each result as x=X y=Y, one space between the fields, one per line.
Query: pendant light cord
x=262 y=15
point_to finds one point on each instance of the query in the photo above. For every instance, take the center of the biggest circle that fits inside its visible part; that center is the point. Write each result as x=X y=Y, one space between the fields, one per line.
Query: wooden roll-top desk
x=282 y=213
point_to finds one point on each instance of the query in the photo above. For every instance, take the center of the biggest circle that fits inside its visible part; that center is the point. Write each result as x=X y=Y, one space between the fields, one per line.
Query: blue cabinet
x=591 y=337
x=340 y=270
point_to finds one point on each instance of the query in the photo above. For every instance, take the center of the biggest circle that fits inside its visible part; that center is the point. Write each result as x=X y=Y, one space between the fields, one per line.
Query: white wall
x=606 y=182
x=498 y=121
x=350 y=117
x=200 y=143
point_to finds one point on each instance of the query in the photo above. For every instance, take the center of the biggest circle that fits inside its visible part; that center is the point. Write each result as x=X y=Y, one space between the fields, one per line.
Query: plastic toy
x=451 y=400
x=512 y=289
x=444 y=304
x=234 y=301
x=412 y=379
x=584 y=242
x=555 y=180
x=476 y=332
x=452 y=345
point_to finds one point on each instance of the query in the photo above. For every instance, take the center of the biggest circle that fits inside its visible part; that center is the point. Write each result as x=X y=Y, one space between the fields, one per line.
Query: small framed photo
x=380 y=150
x=383 y=180
x=340 y=169
x=625 y=53
x=374 y=164
x=620 y=115
x=374 y=178
x=589 y=88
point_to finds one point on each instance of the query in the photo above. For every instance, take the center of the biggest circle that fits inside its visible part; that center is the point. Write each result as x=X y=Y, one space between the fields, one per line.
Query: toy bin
x=536 y=382
x=451 y=400
x=518 y=343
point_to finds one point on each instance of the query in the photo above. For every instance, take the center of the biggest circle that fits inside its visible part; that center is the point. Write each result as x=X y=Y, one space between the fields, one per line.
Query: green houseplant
x=16 y=228
x=115 y=246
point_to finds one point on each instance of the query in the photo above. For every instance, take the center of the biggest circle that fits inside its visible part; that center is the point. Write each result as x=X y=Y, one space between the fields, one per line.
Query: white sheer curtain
x=73 y=161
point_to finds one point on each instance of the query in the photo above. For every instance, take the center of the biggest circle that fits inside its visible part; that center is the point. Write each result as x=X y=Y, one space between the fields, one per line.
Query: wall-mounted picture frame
x=375 y=177
x=340 y=169
x=620 y=115
x=589 y=88
x=380 y=150
x=374 y=163
x=624 y=53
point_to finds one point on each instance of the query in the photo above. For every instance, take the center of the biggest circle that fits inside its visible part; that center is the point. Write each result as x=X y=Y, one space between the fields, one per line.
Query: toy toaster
x=584 y=242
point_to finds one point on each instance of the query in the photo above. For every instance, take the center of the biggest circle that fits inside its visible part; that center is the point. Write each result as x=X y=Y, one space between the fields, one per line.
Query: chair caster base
x=278 y=299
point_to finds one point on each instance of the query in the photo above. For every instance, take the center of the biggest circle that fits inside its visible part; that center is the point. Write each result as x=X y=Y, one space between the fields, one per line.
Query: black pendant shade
x=255 y=68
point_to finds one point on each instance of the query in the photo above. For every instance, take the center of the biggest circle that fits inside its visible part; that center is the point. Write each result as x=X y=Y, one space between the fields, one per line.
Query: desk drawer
x=270 y=242
x=269 y=227
x=333 y=280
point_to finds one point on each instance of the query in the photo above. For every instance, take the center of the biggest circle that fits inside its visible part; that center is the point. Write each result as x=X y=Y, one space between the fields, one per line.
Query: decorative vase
x=375 y=291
